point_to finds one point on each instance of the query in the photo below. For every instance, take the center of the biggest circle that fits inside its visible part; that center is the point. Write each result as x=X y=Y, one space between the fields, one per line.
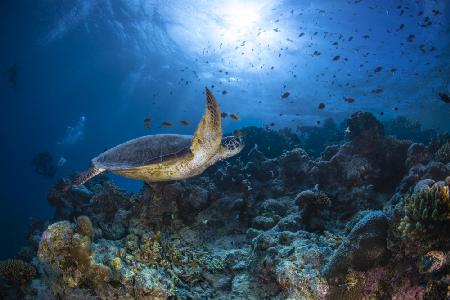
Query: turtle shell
x=143 y=151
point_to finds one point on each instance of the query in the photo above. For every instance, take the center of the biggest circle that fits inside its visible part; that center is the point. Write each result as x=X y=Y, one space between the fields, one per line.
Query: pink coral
x=373 y=277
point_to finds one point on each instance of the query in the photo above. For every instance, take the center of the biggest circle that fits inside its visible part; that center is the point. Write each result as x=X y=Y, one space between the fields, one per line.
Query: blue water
x=81 y=76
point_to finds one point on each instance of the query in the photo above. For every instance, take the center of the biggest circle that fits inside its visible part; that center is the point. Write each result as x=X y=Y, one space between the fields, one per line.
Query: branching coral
x=17 y=271
x=427 y=216
x=443 y=153
x=150 y=249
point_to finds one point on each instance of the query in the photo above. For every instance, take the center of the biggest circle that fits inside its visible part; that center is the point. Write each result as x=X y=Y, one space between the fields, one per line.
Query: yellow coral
x=116 y=263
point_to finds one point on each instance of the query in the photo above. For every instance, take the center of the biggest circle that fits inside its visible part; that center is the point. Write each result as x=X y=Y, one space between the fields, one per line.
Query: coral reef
x=67 y=260
x=443 y=153
x=427 y=215
x=355 y=217
x=363 y=248
x=314 y=139
x=407 y=129
x=17 y=271
x=312 y=206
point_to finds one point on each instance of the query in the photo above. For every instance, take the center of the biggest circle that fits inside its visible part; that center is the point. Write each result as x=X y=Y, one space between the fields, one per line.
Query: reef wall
x=366 y=219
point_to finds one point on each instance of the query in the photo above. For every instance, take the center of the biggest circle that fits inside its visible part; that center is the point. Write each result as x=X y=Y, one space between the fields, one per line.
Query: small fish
x=168 y=124
x=411 y=38
x=224 y=92
x=377 y=91
x=184 y=122
x=301 y=34
x=147 y=126
x=401 y=26
x=239 y=133
x=321 y=105
x=349 y=99
x=444 y=97
x=395 y=108
x=381 y=113
x=272 y=124
x=337 y=57
x=234 y=117
x=285 y=95
x=146 y=120
x=223 y=115
x=378 y=69
x=436 y=12
x=318 y=122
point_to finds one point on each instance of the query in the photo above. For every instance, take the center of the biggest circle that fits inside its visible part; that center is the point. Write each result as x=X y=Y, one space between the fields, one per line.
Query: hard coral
x=364 y=247
x=427 y=216
x=443 y=153
x=312 y=204
x=364 y=127
x=68 y=256
x=84 y=226
x=17 y=271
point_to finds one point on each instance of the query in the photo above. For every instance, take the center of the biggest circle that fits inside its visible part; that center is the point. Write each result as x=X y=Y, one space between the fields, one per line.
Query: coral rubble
x=365 y=219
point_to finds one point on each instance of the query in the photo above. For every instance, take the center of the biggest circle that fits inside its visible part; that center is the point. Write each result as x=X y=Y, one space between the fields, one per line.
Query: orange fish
x=234 y=117
x=184 y=122
x=239 y=133
x=168 y=124
x=147 y=126
x=321 y=105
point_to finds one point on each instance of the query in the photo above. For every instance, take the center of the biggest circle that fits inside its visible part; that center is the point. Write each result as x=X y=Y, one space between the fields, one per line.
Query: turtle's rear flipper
x=83 y=177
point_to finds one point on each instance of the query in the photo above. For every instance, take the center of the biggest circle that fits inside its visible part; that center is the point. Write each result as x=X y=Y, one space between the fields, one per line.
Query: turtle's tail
x=87 y=175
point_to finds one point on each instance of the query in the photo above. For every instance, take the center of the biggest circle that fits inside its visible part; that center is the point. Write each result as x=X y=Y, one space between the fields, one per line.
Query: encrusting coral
x=427 y=215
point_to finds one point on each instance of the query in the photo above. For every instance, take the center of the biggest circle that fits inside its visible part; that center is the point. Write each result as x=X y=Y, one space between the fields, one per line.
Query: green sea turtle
x=166 y=157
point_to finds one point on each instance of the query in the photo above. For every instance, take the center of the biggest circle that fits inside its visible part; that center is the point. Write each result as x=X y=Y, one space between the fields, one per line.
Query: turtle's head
x=231 y=145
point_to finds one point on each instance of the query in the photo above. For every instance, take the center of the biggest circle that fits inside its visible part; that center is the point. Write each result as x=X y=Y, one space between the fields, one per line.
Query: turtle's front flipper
x=87 y=175
x=208 y=136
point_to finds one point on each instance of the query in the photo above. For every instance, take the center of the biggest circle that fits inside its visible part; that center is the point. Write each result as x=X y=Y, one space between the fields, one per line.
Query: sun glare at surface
x=240 y=19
